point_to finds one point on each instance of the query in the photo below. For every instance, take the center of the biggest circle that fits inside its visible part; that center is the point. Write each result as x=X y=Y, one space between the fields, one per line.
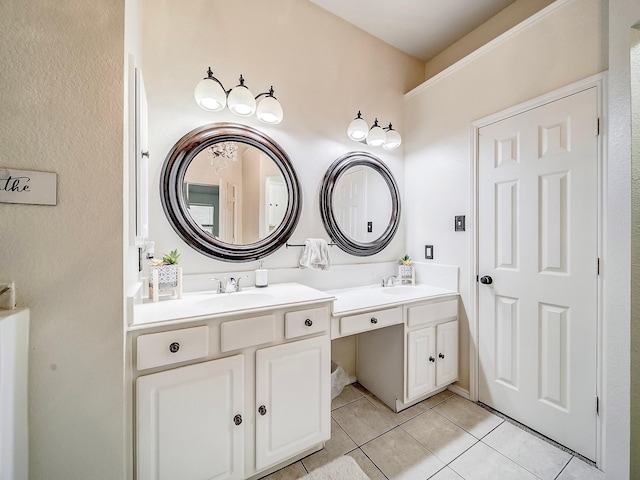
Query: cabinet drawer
x=306 y=322
x=432 y=312
x=369 y=321
x=247 y=332
x=165 y=348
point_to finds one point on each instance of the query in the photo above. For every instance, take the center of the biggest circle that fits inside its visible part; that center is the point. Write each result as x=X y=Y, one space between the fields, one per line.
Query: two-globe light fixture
x=211 y=95
x=376 y=136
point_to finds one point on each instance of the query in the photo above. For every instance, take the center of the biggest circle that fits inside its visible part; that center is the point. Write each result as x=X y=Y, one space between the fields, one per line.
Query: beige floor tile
x=446 y=474
x=539 y=457
x=399 y=456
x=473 y=418
x=367 y=465
x=578 y=470
x=481 y=462
x=338 y=445
x=438 y=398
x=401 y=417
x=292 y=472
x=349 y=394
x=439 y=435
x=362 y=421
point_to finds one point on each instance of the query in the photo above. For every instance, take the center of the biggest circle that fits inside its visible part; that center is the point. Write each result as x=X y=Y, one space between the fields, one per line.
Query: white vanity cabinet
x=404 y=364
x=293 y=398
x=432 y=358
x=255 y=393
x=190 y=422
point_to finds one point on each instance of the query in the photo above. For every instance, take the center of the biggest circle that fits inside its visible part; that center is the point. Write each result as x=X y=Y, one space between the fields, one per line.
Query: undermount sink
x=244 y=299
x=400 y=290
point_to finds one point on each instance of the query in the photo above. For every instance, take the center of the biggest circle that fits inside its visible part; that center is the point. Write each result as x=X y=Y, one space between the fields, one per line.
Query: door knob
x=262 y=410
x=486 y=280
x=237 y=419
x=431 y=359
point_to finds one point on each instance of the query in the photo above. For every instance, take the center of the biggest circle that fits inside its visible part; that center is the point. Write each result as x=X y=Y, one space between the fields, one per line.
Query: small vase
x=406 y=274
x=167 y=275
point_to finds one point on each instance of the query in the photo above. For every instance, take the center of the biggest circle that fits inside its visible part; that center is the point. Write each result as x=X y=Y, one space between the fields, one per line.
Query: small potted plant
x=405 y=270
x=165 y=274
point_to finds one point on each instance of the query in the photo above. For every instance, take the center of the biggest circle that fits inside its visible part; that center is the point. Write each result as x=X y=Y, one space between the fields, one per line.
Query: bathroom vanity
x=407 y=339
x=231 y=385
x=238 y=385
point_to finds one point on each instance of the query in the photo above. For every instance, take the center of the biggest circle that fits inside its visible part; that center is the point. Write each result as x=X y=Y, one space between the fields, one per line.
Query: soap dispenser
x=261 y=277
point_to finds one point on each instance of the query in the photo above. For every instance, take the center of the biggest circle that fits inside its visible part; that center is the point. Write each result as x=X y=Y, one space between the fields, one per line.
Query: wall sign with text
x=24 y=186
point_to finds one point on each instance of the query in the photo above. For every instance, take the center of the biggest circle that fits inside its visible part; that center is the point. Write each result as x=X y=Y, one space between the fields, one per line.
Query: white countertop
x=207 y=304
x=353 y=300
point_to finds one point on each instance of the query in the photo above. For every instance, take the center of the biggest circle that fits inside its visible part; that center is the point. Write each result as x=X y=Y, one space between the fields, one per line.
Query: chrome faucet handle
x=219 y=288
x=238 y=287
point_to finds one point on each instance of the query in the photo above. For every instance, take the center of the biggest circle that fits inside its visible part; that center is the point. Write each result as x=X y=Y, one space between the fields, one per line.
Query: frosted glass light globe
x=241 y=102
x=210 y=95
x=377 y=136
x=269 y=110
x=357 y=130
x=393 y=140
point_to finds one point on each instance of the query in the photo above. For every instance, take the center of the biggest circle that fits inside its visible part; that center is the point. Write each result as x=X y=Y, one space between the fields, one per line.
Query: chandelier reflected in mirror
x=221 y=154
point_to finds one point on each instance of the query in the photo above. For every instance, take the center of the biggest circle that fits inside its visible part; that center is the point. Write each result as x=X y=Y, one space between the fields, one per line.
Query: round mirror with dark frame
x=360 y=204
x=230 y=192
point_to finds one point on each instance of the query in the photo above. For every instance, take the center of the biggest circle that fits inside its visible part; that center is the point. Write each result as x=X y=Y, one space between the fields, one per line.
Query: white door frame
x=598 y=81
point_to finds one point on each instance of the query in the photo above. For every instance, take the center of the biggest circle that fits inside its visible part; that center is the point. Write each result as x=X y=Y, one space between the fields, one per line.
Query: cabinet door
x=293 y=399
x=421 y=362
x=185 y=422
x=447 y=346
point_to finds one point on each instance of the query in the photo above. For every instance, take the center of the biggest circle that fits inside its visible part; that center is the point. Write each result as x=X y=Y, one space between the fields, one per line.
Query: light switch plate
x=428 y=252
x=459 y=223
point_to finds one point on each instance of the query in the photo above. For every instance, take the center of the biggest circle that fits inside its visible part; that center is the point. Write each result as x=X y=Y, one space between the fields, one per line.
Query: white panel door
x=421 y=362
x=293 y=399
x=537 y=241
x=189 y=422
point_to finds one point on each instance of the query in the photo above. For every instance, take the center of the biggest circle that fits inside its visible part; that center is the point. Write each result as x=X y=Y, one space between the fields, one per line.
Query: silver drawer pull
x=174 y=347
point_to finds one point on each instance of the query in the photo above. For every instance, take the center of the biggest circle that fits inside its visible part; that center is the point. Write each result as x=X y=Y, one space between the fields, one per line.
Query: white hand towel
x=315 y=254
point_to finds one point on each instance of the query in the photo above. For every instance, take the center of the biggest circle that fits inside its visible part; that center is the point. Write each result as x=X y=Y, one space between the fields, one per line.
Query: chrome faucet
x=233 y=284
x=389 y=282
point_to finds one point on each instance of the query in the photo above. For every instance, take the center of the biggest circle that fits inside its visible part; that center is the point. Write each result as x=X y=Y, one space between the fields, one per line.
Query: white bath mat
x=343 y=468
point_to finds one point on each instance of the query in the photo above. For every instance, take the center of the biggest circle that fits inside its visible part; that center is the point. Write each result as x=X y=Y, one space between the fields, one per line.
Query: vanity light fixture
x=376 y=136
x=211 y=95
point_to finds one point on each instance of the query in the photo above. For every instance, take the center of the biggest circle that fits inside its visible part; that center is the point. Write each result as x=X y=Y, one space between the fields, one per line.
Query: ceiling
x=421 y=28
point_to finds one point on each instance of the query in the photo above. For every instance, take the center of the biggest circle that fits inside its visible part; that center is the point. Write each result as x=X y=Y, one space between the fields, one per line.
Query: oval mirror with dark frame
x=230 y=192
x=360 y=204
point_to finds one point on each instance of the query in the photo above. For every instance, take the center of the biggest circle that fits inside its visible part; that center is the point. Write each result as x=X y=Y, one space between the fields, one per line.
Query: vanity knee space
x=406 y=361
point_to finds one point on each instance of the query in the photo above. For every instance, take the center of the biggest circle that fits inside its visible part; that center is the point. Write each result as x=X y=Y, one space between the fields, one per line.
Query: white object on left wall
x=138 y=156
x=14 y=354
x=142 y=159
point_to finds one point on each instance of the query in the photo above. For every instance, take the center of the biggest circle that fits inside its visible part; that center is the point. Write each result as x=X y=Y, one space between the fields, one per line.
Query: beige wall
x=623 y=245
x=498 y=24
x=62 y=111
x=323 y=71
x=562 y=47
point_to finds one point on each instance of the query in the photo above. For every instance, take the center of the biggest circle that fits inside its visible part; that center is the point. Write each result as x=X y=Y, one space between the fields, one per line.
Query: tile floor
x=442 y=438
